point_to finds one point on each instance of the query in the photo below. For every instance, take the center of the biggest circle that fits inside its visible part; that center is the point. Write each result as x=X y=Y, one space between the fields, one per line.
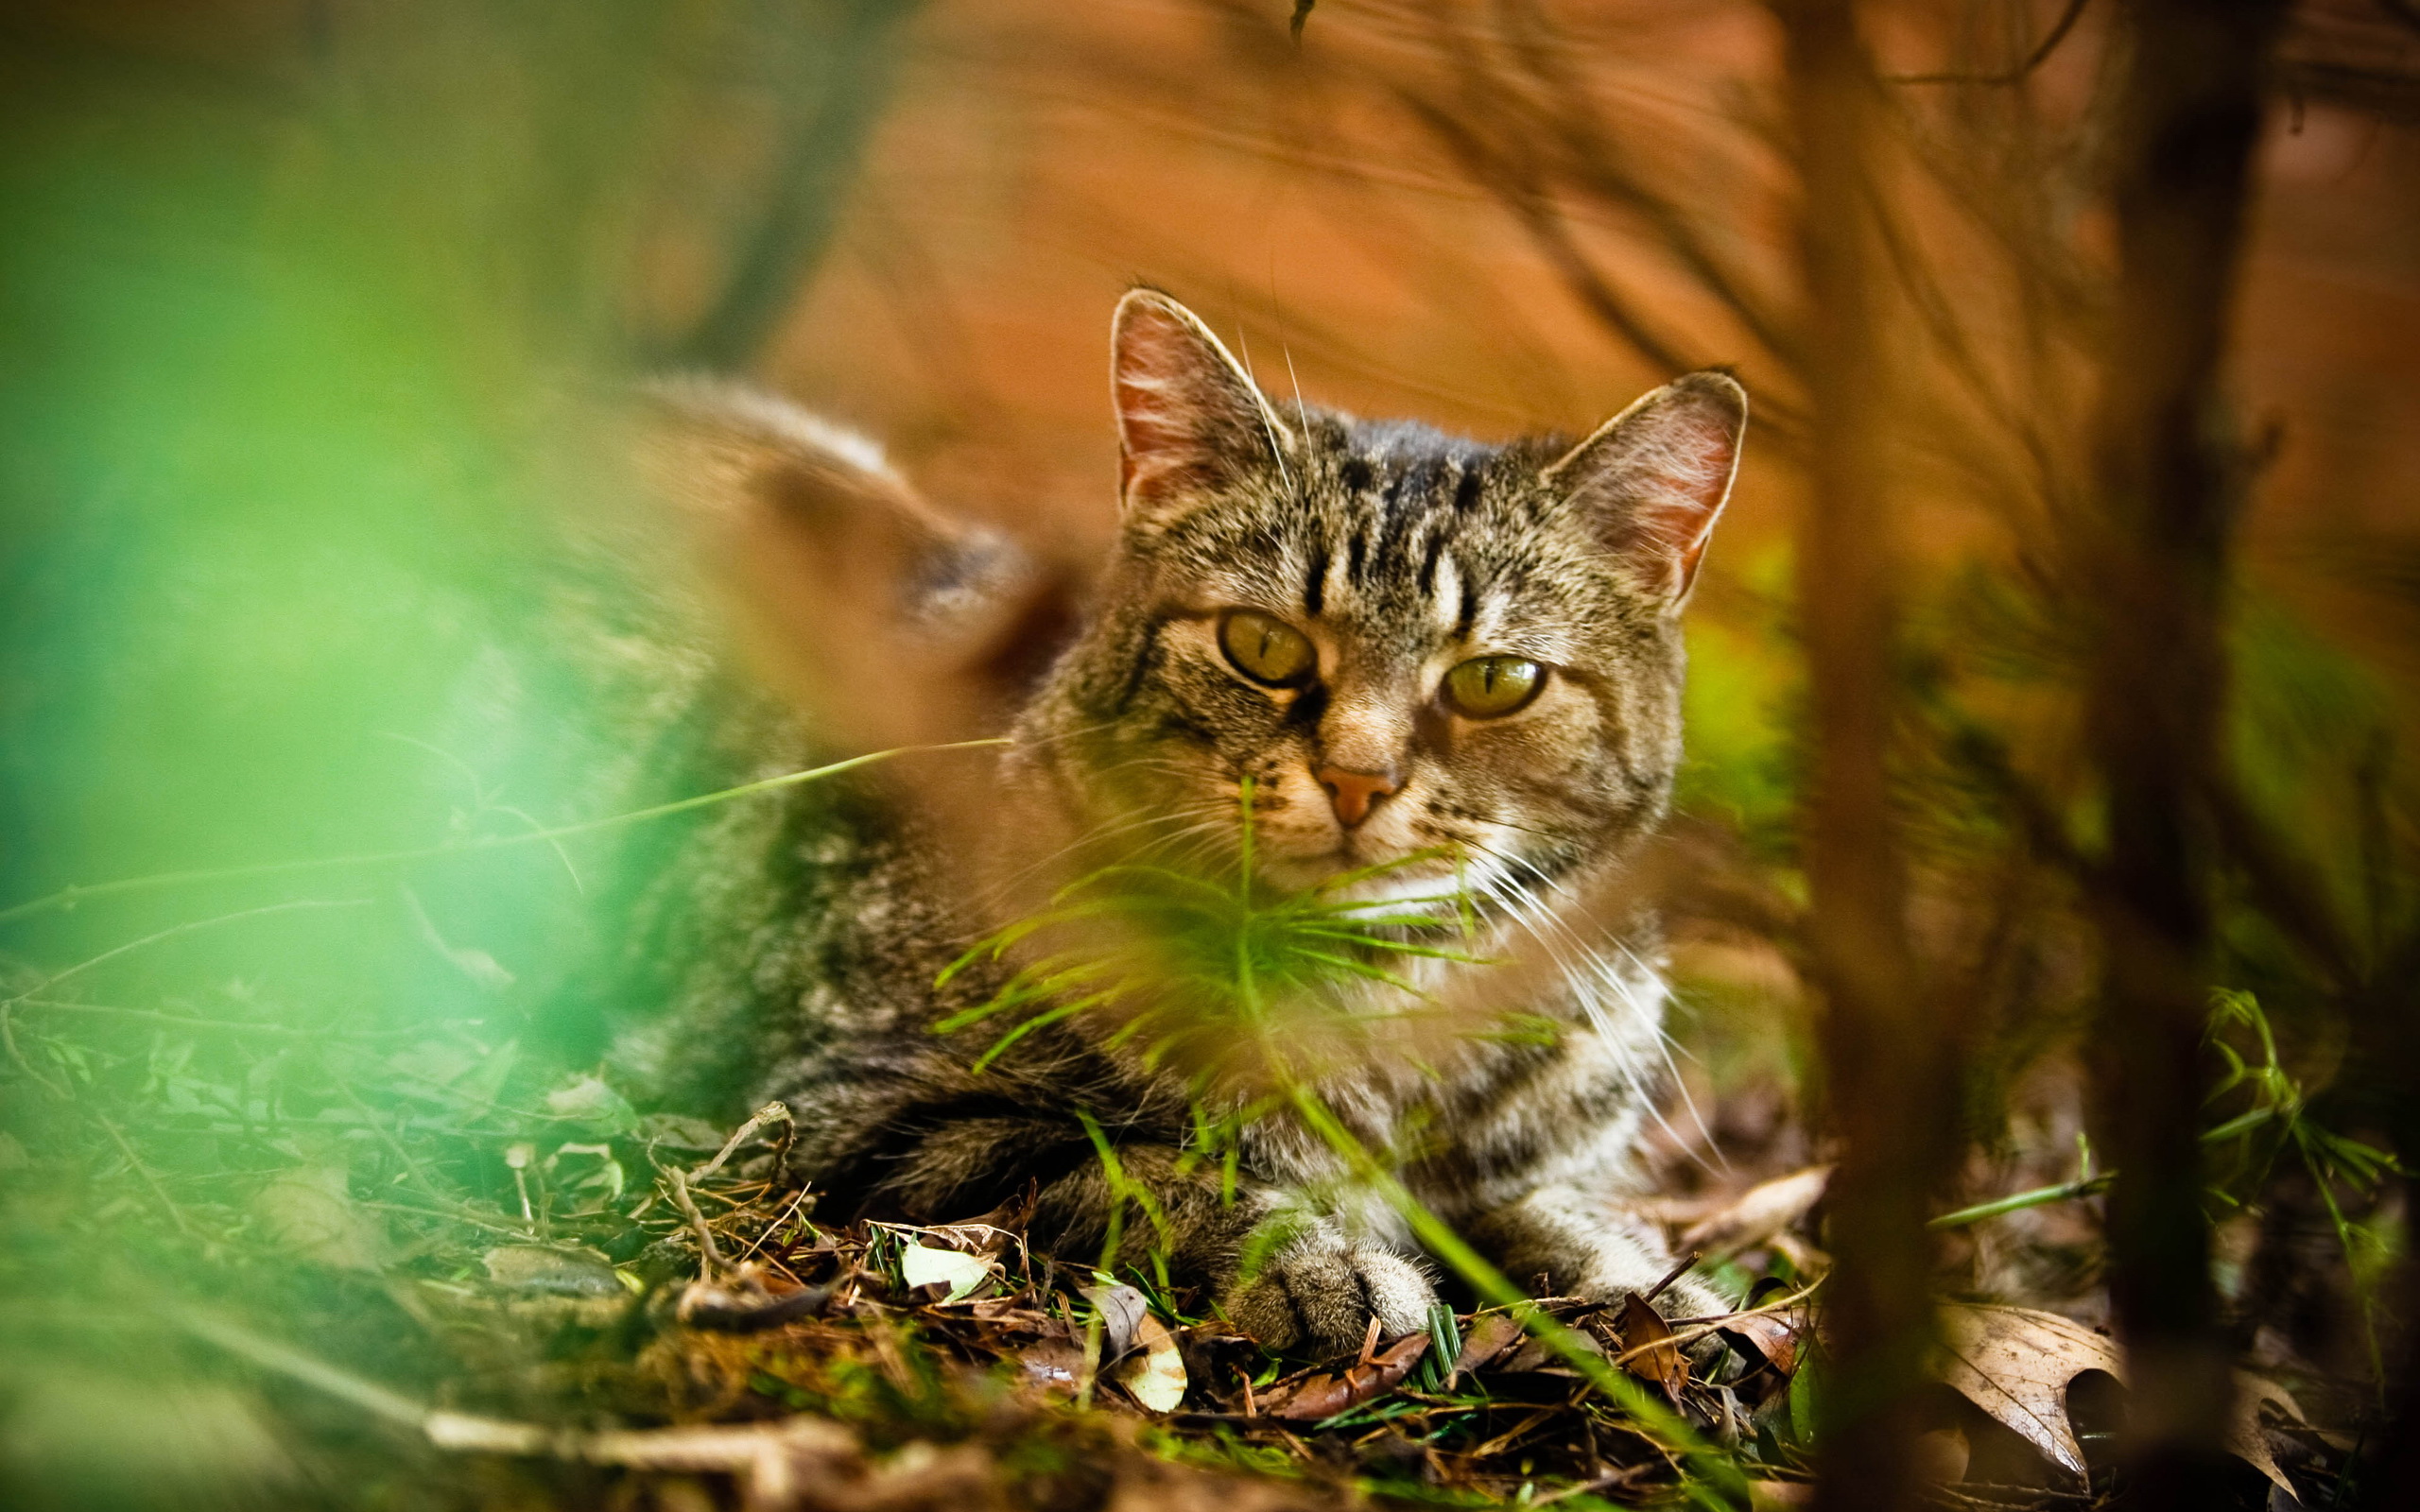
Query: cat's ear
x=889 y=622
x=1654 y=477
x=1189 y=417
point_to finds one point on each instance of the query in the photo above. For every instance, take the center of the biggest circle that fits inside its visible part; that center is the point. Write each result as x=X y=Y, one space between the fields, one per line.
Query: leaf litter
x=636 y=1296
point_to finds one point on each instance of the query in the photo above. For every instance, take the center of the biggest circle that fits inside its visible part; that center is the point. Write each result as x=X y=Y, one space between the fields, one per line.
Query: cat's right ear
x=889 y=622
x=1189 y=417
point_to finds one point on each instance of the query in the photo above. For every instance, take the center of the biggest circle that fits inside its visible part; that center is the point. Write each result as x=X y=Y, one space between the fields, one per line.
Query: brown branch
x=1887 y=1056
x=2040 y=55
x=2153 y=561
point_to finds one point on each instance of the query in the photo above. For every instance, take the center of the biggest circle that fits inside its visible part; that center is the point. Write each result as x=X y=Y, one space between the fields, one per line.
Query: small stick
x=1673 y=1275
x=775 y=1226
x=176 y=1215
x=1690 y=1335
x=709 y=1258
x=769 y=1114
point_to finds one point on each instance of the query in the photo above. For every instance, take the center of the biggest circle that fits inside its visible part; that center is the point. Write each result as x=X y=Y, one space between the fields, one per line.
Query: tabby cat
x=1449 y=668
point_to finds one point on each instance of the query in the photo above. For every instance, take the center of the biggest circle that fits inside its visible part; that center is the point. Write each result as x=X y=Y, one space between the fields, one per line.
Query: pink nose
x=1354 y=793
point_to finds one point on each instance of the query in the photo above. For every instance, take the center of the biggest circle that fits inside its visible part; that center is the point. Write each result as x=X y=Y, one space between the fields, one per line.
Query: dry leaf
x=1489 y=1337
x=1154 y=1373
x=1771 y=1337
x=1660 y=1361
x=1323 y=1396
x=959 y=1274
x=310 y=1211
x=1538 y=1355
x=566 y=1271
x=2016 y=1364
x=1122 y=1313
x=1758 y=1214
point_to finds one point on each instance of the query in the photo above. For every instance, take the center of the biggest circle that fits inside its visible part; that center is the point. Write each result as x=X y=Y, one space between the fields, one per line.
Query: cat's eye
x=1486 y=687
x=1266 y=649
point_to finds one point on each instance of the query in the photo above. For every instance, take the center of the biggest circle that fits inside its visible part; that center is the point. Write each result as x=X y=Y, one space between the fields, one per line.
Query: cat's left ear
x=1654 y=477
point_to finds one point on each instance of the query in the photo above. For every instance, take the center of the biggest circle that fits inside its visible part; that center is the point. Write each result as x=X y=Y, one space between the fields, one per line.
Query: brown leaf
x=1537 y=1354
x=1323 y=1396
x=1053 y=1364
x=1758 y=1214
x=1771 y=1337
x=1659 y=1360
x=2016 y=1364
x=1489 y=1336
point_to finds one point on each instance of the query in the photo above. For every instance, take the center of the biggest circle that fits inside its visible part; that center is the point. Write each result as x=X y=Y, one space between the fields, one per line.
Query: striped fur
x=1399 y=552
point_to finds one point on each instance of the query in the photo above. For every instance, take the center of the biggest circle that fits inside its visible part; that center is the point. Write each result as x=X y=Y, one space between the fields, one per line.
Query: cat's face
x=1406 y=645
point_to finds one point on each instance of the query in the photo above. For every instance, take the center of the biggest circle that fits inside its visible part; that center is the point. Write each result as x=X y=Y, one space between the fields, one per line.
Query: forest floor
x=279 y=1267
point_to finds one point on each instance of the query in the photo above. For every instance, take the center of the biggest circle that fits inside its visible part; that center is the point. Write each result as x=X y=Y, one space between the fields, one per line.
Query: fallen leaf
x=1322 y=1397
x=1771 y=1337
x=311 y=1211
x=959 y=1273
x=2016 y=1365
x=1122 y=1314
x=1489 y=1337
x=575 y=1272
x=1539 y=1355
x=1154 y=1373
x=594 y=1107
x=1758 y=1214
x=1660 y=1361
x=2247 y=1438
x=1053 y=1364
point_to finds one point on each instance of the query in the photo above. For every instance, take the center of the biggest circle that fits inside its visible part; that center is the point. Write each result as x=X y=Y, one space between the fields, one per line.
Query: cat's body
x=1453 y=663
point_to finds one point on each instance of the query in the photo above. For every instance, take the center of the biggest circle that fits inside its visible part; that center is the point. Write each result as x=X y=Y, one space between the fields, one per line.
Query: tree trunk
x=1888 y=1088
x=2151 y=565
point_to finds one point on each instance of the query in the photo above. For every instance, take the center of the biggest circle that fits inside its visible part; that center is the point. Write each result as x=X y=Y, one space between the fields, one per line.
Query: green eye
x=1487 y=686
x=1266 y=650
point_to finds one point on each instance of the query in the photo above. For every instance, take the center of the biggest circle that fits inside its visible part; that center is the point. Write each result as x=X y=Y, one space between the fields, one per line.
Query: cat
x=1453 y=669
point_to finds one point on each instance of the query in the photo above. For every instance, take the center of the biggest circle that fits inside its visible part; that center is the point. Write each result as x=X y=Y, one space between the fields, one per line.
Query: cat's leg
x=1288 y=1273
x=1586 y=1247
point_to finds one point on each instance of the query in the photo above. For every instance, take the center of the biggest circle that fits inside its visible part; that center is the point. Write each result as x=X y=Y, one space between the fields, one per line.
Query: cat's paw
x=1317 y=1294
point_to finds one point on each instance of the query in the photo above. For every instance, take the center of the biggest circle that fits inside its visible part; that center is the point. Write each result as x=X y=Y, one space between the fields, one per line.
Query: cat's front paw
x=1317 y=1294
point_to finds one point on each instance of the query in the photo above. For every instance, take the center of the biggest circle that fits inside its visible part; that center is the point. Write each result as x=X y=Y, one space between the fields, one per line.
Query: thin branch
x=2040 y=55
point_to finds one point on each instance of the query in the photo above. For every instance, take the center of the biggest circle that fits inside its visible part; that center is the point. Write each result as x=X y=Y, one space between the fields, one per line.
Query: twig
x=176 y=1215
x=8 y=1040
x=1715 y=1325
x=773 y=1228
x=769 y=1114
x=170 y=932
x=2040 y=55
x=386 y=1136
x=774 y=1458
x=709 y=1258
x=1673 y=1275
x=179 y=1020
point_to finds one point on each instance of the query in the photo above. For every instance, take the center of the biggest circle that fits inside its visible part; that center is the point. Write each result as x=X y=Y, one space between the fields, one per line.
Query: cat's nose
x=1354 y=793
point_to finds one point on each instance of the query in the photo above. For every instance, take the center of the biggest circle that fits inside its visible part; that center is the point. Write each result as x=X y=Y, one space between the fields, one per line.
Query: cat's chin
x=1429 y=877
